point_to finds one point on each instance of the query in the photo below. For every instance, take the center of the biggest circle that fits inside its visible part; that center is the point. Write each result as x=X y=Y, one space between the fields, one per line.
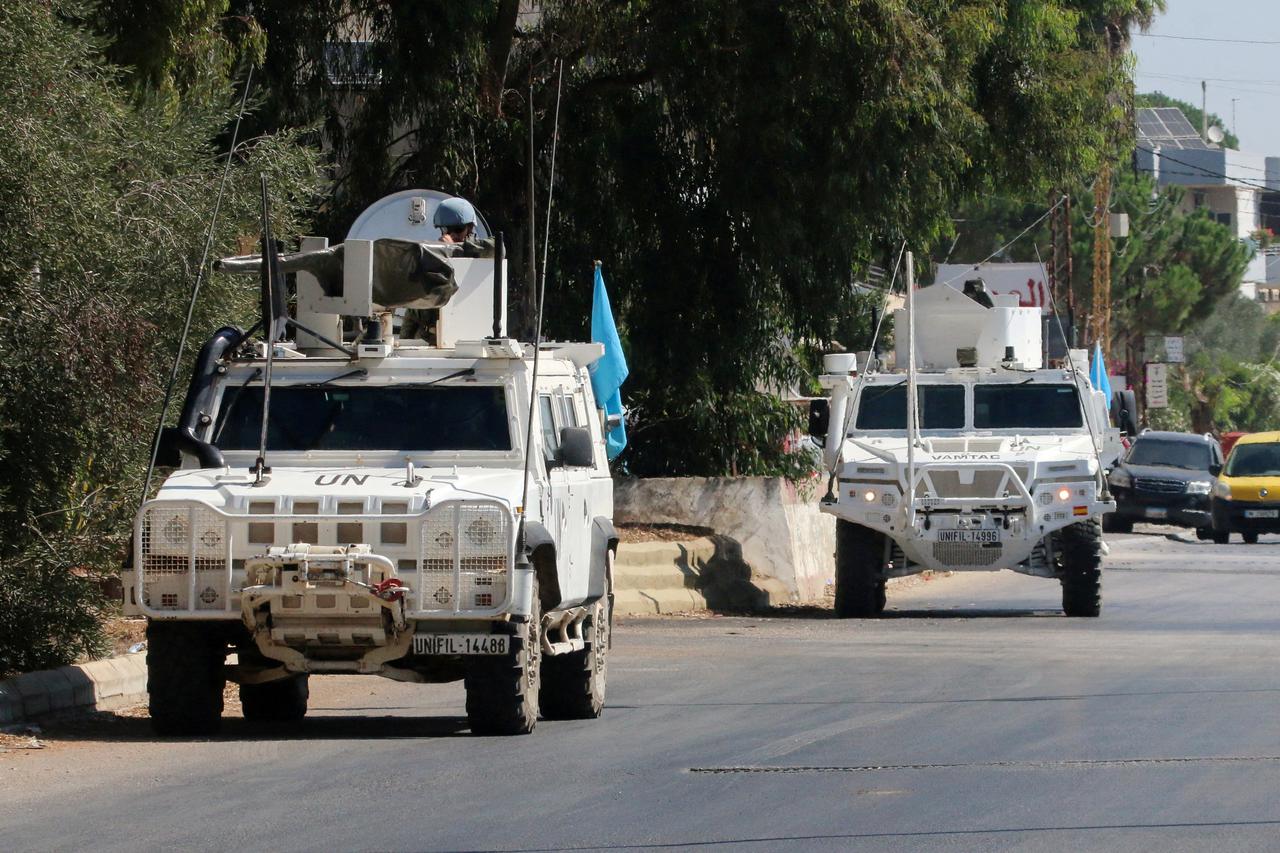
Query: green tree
x=736 y=165
x=104 y=204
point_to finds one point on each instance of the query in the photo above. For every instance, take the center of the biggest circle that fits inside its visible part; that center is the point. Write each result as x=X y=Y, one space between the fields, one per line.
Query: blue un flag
x=610 y=371
x=1098 y=373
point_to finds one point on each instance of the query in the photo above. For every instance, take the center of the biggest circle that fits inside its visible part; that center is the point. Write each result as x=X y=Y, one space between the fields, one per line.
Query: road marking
x=1033 y=765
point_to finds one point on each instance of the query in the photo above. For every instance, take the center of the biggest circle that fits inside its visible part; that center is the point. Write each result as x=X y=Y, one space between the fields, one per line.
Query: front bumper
x=1231 y=516
x=1183 y=510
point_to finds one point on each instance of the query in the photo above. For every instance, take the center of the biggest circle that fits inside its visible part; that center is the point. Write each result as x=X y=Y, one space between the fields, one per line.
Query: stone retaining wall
x=779 y=528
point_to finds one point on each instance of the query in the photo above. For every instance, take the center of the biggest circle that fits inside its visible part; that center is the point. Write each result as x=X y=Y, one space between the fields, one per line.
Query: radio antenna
x=537 y=323
x=195 y=289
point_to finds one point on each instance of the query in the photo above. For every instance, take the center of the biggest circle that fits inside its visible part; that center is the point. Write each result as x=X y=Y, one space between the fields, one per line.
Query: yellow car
x=1246 y=497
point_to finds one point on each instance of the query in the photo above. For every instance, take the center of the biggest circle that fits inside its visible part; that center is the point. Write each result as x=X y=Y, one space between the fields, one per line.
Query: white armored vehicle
x=997 y=465
x=426 y=509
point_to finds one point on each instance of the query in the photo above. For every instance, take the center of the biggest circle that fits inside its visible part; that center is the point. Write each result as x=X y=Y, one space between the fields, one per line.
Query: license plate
x=460 y=644
x=1157 y=512
x=968 y=536
x=1262 y=513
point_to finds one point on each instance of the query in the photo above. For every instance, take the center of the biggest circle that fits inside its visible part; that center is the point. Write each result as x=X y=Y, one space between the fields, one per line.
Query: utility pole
x=1204 y=110
x=1234 y=129
x=1061 y=269
x=1100 y=321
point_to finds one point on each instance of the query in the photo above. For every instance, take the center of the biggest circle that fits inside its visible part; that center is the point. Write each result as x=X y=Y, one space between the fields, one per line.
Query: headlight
x=1199 y=487
x=1222 y=490
x=1121 y=478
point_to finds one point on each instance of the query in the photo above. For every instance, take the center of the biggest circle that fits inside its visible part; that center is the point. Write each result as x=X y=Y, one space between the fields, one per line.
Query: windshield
x=1006 y=406
x=885 y=407
x=1174 y=454
x=366 y=418
x=1254 y=460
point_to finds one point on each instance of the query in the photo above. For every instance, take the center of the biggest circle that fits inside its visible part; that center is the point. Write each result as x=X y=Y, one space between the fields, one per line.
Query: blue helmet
x=454 y=213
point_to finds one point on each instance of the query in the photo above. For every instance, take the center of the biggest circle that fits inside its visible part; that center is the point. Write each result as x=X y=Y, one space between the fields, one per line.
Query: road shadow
x=975 y=613
x=814 y=612
x=117 y=728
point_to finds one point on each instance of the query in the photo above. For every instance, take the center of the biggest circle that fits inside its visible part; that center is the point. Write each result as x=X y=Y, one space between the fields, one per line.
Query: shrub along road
x=974 y=717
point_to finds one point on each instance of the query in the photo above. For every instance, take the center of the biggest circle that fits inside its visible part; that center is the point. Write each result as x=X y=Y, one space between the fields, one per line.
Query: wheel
x=185 y=677
x=1113 y=522
x=1221 y=537
x=1204 y=534
x=502 y=692
x=860 y=582
x=282 y=701
x=573 y=685
x=1079 y=563
x=1250 y=538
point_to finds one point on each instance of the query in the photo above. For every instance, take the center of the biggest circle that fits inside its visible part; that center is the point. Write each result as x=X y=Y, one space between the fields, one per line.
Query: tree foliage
x=735 y=165
x=103 y=207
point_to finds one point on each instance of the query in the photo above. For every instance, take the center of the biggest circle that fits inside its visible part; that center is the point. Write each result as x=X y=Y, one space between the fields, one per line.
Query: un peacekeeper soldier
x=456 y=219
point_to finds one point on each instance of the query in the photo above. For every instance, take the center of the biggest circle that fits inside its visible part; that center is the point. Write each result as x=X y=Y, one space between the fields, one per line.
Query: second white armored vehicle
x=355 y=502
x=999 y=464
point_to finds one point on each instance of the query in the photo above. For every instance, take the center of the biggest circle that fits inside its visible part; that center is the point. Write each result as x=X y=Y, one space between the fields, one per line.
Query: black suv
x=1165 y=478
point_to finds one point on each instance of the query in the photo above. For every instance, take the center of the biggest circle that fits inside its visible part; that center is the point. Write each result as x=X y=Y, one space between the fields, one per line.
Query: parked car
x=1165 y=478
x=1246 y=499
x=1228 y=440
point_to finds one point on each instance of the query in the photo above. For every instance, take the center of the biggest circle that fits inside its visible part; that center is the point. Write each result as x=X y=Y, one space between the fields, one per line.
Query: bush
x=48 y=615
x=104 y=204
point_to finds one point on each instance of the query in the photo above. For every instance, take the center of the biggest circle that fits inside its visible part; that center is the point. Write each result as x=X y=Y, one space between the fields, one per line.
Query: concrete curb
x=102 y=685
x=682 y=577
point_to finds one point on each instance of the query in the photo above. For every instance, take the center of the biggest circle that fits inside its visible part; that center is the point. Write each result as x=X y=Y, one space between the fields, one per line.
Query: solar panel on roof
x=1168 y=127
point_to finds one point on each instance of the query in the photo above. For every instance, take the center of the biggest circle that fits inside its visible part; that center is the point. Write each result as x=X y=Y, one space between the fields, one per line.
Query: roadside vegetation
x=736 y=166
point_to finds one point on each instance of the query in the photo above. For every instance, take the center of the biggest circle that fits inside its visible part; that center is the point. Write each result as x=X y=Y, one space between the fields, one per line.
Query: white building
x=1239 y=189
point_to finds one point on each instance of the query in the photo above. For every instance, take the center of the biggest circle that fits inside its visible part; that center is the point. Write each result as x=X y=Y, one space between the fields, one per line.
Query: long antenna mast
x=195 y=288
x=913 y=415
x=542 y=292
x=269 y=267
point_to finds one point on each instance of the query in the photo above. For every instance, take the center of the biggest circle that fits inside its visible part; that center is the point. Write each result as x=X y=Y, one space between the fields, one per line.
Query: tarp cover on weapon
x=406 y=274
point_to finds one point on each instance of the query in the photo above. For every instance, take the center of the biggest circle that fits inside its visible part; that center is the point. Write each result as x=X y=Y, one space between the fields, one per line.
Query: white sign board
x=1173 y=349
x=1157 y=386
x=1028 y=282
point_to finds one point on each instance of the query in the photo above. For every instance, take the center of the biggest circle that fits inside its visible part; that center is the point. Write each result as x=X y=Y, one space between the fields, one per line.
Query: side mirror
x=1124 y=412
x=819 y=418
x=575 y=448
x=169 y=454
x=1215 y=468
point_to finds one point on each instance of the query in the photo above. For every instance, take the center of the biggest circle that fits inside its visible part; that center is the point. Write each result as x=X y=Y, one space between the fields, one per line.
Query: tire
x=502 y=692
x=1112 y=522
x=1080 y=562
x=1250 y=538
x=1221 y=537
x=185 y=677
x=860 y=582
x=282 y=701
x=573 y=685
x=1204 y=534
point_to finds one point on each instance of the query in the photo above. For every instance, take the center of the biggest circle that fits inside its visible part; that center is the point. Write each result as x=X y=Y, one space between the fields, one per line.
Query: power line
x=1207 y=38
x=1202 y=172
x=1196 y=79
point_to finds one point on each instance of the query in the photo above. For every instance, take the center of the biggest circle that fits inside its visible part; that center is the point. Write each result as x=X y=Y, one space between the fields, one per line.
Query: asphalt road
x=975 y=717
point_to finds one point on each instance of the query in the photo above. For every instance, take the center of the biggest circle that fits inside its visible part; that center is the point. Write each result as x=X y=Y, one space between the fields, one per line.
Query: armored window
x=1014 y=406
x=470 y=417
x=568 y=411
x=885 y=407
x=547 y=423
